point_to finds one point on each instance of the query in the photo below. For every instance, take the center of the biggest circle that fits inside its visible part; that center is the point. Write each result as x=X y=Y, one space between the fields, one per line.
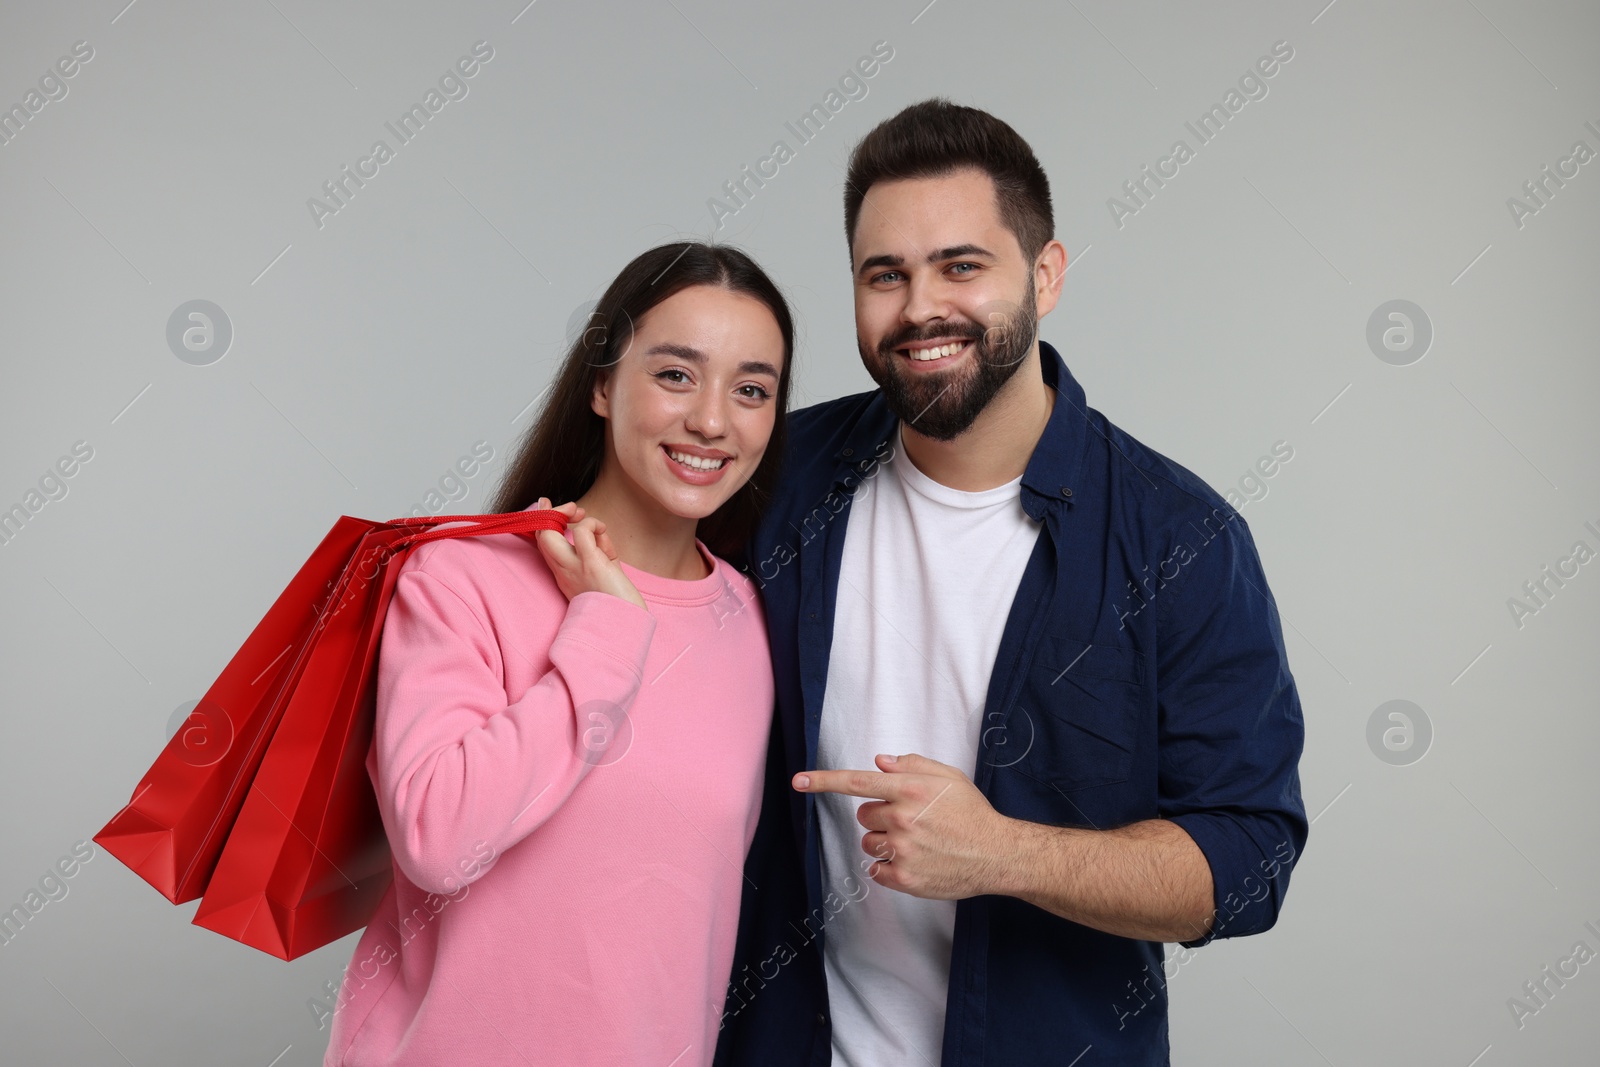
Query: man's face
x=946 y=304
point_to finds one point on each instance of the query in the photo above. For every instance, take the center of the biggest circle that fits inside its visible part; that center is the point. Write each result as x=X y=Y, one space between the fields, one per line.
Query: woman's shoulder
x=504 y=570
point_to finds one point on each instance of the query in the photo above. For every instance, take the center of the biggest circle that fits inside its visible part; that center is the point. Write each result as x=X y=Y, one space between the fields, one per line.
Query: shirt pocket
x=1082 y=701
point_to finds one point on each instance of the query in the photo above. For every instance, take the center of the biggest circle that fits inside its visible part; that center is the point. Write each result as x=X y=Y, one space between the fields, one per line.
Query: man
x=1035 y=717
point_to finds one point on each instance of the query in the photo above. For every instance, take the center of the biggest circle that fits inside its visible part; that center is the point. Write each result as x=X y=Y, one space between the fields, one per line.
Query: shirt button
x=822 y=1019
x=847 y=452
x=1065 y=491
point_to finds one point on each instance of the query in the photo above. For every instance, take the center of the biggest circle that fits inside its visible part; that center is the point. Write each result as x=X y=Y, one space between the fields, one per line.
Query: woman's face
x=689 y=406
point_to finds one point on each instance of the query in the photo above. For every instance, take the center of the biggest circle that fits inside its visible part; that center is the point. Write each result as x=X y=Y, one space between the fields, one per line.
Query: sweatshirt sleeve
x=457 y=767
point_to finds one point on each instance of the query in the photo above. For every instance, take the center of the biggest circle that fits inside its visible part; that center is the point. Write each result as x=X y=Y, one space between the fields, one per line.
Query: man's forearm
x=1147 y=880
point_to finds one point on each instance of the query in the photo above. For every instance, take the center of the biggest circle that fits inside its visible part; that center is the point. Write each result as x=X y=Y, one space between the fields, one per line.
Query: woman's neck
x=646 y=535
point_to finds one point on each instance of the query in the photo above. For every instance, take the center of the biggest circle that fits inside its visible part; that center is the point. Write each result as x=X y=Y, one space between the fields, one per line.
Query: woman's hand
x=574 y=513
x=587 y=565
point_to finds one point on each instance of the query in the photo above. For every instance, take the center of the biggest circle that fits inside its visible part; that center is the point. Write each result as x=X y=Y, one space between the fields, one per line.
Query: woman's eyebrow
x=694 y=355
x=667 y=348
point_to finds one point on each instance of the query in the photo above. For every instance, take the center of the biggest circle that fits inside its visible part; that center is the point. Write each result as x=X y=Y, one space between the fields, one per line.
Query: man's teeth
x=697 y=462
x=937 y=353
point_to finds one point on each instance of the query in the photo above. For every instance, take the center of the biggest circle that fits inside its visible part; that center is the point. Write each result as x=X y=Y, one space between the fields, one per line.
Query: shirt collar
x=1052 y=477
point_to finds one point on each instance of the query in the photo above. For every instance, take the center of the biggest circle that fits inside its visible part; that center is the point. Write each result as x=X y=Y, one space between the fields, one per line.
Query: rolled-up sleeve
x=1231 y=730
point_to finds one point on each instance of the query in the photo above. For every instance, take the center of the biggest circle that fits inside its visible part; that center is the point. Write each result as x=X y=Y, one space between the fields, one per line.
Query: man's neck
x=997 y=446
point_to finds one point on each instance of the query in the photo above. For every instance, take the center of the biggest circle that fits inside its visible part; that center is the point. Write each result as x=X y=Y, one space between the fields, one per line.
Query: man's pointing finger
x=873 y=784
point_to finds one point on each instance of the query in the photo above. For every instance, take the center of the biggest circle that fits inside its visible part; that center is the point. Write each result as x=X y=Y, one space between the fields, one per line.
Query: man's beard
x=944 y=405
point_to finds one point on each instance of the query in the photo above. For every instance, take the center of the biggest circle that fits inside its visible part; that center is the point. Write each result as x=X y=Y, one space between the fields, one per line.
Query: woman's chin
x=690 y=505
x=696 y=501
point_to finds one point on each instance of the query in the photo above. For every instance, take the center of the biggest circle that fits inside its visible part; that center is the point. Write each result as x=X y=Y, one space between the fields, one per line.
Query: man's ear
x=1049 y=270
x=600 y=399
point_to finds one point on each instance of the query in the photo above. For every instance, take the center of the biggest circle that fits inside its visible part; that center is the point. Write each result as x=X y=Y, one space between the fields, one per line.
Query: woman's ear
x=599 y=399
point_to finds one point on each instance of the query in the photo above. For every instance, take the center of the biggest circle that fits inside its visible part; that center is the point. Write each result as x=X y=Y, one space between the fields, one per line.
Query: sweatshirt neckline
x=678 y=591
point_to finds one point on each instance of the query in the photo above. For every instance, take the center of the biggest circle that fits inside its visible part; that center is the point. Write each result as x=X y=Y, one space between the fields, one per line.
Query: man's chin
x=938 y=431
x=930 y=418
x=928 y=385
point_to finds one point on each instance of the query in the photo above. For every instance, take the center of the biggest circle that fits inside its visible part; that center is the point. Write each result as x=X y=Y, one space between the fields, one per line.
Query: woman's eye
x=761 y=394
x=671 y=370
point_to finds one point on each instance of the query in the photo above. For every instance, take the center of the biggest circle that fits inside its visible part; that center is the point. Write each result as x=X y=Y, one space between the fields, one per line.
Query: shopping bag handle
x=507 y=522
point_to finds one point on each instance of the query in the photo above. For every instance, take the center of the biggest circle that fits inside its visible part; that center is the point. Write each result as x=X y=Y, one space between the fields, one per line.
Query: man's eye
x=888 y=276
x=959 y=266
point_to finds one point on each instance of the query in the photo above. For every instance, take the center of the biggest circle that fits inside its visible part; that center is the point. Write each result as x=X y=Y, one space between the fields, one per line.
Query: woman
x=571 y=728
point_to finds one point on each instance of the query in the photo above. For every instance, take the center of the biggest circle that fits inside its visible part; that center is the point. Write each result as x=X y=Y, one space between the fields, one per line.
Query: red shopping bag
x=261 y=801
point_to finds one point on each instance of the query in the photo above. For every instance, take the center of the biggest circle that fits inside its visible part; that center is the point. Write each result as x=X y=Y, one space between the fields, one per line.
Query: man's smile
x=939 y=352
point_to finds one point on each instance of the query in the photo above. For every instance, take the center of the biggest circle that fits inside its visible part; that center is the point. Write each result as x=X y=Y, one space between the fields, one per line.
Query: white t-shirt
x=926 y=582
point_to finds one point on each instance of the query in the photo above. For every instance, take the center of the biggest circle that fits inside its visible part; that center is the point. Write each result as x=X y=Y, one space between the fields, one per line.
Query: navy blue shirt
x=1141 y=674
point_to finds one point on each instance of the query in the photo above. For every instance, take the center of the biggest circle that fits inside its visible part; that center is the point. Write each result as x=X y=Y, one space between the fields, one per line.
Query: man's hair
x=935 y=137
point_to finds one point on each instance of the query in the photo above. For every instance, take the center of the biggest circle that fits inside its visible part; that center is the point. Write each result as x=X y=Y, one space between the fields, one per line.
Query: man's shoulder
x=816 y=437
x=814 y=426
x=1175 y=492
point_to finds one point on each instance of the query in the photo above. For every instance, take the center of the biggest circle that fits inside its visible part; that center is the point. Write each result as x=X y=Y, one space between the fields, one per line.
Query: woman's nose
x=706 y=417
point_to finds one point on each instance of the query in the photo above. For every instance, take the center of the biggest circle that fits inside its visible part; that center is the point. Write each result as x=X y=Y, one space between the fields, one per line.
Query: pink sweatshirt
x=569 y=792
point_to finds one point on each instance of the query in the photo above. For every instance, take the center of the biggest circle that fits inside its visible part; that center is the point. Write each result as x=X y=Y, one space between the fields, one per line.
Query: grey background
x=1228 y=314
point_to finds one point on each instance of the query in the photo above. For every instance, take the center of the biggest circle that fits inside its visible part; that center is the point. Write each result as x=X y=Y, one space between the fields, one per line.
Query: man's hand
x=933 y=833
x=936 y=836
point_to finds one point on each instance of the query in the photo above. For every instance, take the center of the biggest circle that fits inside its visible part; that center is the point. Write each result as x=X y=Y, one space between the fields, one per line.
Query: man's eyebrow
x=694 y=355
x=872 y=262
x=960 y=252
x=953 y=252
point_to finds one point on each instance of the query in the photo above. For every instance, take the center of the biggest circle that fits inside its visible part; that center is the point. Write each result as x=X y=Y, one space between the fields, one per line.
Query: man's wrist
x=1020 y=854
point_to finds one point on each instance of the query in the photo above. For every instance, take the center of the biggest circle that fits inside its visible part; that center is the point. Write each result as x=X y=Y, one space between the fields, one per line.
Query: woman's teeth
x=937 y=353
x=697 y=462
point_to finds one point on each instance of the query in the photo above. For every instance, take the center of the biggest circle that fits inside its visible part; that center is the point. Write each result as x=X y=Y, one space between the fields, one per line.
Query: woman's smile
x=693 y=467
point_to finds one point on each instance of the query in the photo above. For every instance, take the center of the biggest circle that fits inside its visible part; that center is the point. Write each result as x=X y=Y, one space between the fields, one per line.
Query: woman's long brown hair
x=561 y=454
